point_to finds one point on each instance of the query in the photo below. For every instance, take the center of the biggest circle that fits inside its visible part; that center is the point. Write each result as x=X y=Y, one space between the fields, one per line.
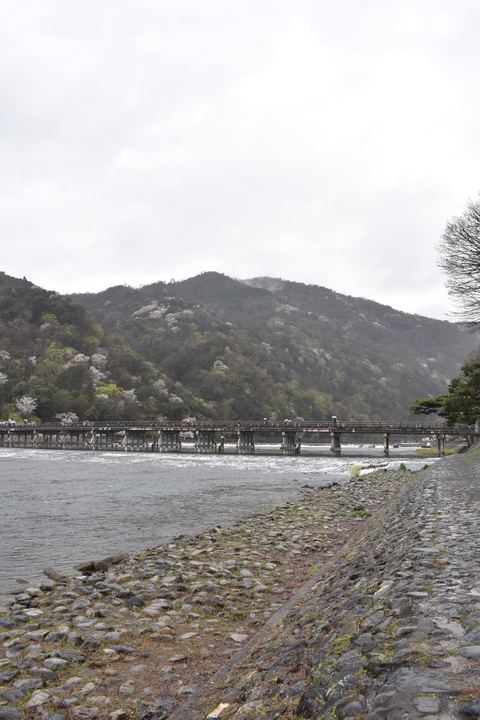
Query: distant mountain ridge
x=216 y=347
x=255 y=347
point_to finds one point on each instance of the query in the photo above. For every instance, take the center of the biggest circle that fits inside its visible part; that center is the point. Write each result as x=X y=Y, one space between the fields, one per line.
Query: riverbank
x=296 y=611
x=60 y=507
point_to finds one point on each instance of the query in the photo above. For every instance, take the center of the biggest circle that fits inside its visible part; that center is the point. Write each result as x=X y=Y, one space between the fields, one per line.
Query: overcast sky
x=317 y=141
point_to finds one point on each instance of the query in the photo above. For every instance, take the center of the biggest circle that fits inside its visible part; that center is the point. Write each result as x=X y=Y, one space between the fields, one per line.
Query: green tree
x=461 y=404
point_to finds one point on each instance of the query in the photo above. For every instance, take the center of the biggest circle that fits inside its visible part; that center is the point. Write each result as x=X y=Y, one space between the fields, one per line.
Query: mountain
x=56 y=359
x=264 y=346
x=215 y=347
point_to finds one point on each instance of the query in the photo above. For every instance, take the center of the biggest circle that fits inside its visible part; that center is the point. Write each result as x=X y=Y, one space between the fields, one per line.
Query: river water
x=58 y=508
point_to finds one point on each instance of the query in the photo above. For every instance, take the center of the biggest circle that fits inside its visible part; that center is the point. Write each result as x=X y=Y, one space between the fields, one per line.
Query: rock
x=127 y=688
x=468 y=709
x=13 y=695
x=472 y=652
x=54 y=663
x=8 y=624
x=81 y=604
x=39 y=697
x=47 y=585
x=85 y=712
x=123 y=649
x=159 y=714
x=42 y=673
x=28 y=684
x=238 y=637
x=10 y=713
x=428 y=705
x=88 y=566
x=8 y=675
x=56 y=636
x=157 y=607
x=473 y=636
x=72 y=656
x=353 y=707
x=56 y=576
x=90 y=643
x=135 y=601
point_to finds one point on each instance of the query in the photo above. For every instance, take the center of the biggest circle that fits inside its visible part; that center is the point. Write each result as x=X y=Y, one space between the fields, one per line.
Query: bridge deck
x=210 y=436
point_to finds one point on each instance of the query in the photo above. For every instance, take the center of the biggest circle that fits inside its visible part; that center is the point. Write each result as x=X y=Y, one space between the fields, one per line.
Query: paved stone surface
x=391 y=631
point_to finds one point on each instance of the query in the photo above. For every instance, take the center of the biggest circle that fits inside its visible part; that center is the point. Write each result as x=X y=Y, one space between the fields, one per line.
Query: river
x=59 y=508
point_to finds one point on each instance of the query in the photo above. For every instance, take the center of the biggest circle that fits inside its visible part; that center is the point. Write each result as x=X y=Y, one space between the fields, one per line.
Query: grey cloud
x=319 y=142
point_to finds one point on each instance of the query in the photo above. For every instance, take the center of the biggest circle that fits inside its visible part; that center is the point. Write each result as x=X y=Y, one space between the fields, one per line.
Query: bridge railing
x=266 y=425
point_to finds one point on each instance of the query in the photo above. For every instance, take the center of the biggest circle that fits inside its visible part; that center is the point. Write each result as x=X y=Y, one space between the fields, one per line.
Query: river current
x=58 y=508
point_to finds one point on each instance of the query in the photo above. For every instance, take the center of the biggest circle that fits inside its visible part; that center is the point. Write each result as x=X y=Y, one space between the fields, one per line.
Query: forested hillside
x=215 y=347
x=55 y=359
x=268 y=346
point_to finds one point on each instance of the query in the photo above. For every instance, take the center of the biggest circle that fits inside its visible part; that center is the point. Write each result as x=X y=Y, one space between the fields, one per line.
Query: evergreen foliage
x=55 y=358
x=215 y=347
x=461 y=404
x=267 y=347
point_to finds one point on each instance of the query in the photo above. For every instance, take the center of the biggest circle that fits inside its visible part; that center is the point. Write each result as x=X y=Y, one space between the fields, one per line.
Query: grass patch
x=433 y=451
x=472 y=456
x=341 y=644
x=360 y=514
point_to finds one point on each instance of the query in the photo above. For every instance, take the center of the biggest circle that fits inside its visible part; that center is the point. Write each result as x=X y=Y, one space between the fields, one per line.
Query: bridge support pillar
x=386 y=444
x=441 y=444
x=155 y=438
x=141 y=438
x=170 y=440
x=245 y=442
x=335 y=444
x=205 y=441
x=290 y=445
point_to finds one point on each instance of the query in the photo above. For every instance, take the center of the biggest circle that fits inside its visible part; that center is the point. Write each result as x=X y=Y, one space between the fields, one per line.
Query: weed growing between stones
x=360 y=514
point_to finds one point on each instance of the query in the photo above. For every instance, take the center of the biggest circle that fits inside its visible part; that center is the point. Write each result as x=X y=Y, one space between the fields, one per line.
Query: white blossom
x=26 y=405
x=100 y=358
x=69 y=418
x=219 y=365
x=161 y=386
x=3 y=378
x=146 y=309
x=78 y=358
x=97 y=375
x=129 y=396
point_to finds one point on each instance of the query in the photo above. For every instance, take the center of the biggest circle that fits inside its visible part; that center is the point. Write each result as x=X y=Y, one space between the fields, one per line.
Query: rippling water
x=59 y=508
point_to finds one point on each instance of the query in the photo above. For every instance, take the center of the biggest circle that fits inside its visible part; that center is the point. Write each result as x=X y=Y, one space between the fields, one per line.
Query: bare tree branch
x=459 y=259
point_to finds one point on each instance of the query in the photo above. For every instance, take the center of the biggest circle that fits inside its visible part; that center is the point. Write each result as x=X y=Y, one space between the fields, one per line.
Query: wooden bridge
x=210 y=437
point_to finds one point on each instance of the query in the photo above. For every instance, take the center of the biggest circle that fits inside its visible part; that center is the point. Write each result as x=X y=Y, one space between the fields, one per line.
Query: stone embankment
x=358 y=601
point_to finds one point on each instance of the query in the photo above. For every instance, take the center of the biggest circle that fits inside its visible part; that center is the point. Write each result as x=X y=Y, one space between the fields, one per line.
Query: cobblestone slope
x=391 y=631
